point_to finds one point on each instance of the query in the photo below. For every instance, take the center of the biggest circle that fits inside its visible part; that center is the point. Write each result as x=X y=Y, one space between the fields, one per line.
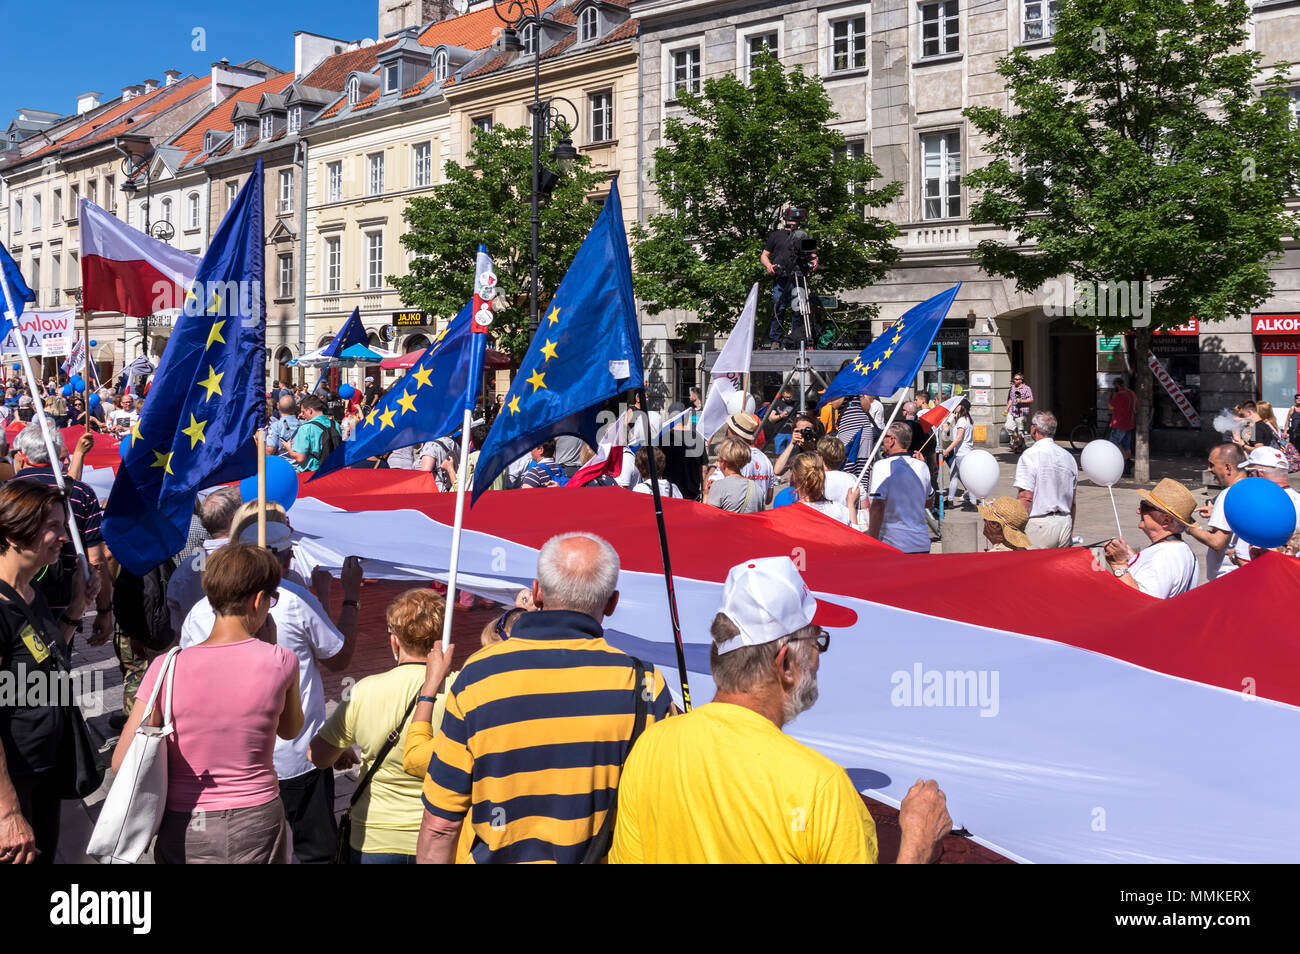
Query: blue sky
x=63 y=49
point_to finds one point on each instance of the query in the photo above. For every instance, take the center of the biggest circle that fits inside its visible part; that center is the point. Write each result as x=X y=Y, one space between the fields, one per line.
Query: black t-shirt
x=782 y=246
x=30 y=732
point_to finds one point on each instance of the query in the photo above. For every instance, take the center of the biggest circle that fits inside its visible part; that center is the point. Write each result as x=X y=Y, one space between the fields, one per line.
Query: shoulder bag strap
x=58 y=647
x=383 y=753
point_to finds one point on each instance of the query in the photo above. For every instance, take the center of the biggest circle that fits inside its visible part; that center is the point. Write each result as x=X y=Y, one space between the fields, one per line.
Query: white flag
x=725 y=396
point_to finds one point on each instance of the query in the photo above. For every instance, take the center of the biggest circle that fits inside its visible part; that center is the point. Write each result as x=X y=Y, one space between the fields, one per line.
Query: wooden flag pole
x=462 y=473
x=260 y=439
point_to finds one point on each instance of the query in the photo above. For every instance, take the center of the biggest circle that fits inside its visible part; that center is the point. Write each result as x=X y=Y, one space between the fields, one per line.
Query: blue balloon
x=67 y=390
x=95 y=401
x=18 y=367
x=93 y=342
x=126 y=443
x=1260 y=512
x=346 y=391
x=281 y=483
x=78 y=385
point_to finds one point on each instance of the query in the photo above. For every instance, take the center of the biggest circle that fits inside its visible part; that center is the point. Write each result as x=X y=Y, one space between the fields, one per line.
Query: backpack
x=558 y=477
x=140 y=606
x=330 y=440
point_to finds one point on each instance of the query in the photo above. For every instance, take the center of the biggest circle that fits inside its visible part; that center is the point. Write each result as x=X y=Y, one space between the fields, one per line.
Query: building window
x=849 y=44
x=941 y=175
x=56 y=277
x=587 y=25
x=757 y=45
x=110 y=193
x=375 y=174
x=482 y=123
x=232 y=191
x=36 y=212
x=333 y=264
x=354 y=90
x=295 y=119
x=34 y=278
x=192 y=211
x=268 y=127
x=686 y=70
x=600 y=116
x=92 y=193
x=853 y=149
x=440 y=67
x=56 y=206
x=390 y=78
x=422 y=165
x=18 y=215
x=528 y=37
x=940 y=28
x=74 y=270
x=167 y=211
x=75 y=195
x=286 y=275
x=374 y=260
x=286 y=190
x=1040 y=19
x=335 y=175
x=241 y=135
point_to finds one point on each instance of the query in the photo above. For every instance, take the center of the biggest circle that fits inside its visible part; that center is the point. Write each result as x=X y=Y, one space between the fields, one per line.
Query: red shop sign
x=1275 y=324
x=1279 y=345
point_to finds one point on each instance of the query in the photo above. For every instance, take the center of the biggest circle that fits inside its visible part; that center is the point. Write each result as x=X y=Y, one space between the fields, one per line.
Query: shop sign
x=1105 y=345
x=1279 y=345
x=1275 y=324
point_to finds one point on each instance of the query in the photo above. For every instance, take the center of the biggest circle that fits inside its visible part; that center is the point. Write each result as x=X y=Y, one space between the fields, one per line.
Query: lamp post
x=545 y=118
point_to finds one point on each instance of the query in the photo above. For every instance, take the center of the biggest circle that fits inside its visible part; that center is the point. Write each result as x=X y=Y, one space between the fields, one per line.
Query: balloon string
x=1115 y=510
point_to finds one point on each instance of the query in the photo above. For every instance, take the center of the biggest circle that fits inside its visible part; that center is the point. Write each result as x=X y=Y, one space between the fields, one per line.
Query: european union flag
x=16 y=292
x=587 y=349
x=207 y=398
x=892 y=360
x=426 y=404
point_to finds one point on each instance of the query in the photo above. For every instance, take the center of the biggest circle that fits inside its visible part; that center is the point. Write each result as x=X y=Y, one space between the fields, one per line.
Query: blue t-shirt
x=310 y=440
x=785 y=498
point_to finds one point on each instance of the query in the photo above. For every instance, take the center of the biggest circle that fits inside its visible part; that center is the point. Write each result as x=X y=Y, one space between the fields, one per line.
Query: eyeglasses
x=274 y=597
x=1145 y=508
x=822 y=640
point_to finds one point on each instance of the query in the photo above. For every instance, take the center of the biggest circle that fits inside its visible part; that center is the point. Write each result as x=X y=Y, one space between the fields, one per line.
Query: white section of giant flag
x=733 y=359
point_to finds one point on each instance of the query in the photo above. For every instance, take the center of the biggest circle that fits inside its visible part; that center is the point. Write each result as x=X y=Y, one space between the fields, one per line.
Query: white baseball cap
x=767 y=598
x=370 y=379
x=278 y=536
x=1265 y=457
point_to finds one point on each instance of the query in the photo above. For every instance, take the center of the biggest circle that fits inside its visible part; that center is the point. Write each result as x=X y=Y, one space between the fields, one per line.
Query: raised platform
x=827 y=362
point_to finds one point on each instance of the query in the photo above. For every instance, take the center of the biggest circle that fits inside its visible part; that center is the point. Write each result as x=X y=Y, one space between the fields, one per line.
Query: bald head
x=577 y=572
x=218 y=510
x=287 y=406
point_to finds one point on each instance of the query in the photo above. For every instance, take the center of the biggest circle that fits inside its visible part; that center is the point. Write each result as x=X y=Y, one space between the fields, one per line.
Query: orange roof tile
x=419 y=86
x=368 y=101
x=113 y=122
x=219 y=117
x=624 y=31
x=473 y=31
x=333 y=72
x=333 y=110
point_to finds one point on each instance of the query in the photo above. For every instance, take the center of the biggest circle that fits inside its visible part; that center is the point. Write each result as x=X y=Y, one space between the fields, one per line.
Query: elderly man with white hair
x=1047 y=477
x=725 y=784
x=1271 y=464
x=537 y=726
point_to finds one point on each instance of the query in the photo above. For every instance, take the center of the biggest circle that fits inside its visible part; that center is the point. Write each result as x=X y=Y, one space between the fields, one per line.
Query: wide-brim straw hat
x=1012 y=515
x=1173 y=498
x=744 y=424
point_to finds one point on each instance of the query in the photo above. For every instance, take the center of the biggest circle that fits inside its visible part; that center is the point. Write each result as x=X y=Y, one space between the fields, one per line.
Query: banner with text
x=47 y=333
x=1175 y=392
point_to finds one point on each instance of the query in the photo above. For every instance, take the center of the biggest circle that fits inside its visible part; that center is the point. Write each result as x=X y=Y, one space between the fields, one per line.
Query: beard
x=804 y=695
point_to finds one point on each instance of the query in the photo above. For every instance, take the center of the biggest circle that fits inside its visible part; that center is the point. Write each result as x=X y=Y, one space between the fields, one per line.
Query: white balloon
x=979 y=473
x=1102 y=463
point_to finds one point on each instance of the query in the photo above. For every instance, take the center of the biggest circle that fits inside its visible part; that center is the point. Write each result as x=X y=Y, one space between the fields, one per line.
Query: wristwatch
x=65 y=618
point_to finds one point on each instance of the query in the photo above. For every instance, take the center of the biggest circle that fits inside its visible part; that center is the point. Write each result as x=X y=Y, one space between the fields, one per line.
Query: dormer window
x=295 y=119
x=528 y=36
x=440 y=67
x=390 y=78
x=268 y=127
x=354 y=90
x=241 y=135
x=587 y=25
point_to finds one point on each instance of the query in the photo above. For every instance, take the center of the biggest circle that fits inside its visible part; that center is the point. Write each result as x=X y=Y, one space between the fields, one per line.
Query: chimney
x=87 y=101
x=173 y=77
x=227 y=79
x=150 y=85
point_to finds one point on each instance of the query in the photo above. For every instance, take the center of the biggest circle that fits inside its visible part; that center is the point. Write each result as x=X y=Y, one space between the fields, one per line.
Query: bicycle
x=1086 y=430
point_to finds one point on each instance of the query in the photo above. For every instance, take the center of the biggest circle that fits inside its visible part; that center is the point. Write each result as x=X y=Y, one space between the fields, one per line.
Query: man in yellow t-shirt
x=724 y=784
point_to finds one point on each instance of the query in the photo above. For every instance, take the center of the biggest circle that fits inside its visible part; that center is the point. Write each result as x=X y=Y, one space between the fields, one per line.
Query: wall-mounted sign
x=1275 y=324
x=981 y=345
x=981 y=379
x=977 y=396
x=413 y=319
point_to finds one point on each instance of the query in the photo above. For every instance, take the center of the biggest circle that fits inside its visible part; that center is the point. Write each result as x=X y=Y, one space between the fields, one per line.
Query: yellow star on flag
x=875 y=364
x=422 y=377
x=195 y=432
x=888 y=352
x=212 y=383
x=549 y=350
x=162 y=460
x=514 y=405
x=554 y=316
x=407 y=401
x=897 y=339
x=537 y=380
x=370 y=418
x=214 y=334
x=386 y=419
x=135 y=430
x=215 y=307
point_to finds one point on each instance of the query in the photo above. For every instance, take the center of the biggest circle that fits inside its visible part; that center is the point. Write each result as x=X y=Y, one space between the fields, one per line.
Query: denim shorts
x=1122 y=439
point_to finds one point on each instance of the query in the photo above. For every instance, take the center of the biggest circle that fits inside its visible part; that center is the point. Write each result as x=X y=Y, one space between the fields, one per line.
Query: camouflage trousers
x=133 y=660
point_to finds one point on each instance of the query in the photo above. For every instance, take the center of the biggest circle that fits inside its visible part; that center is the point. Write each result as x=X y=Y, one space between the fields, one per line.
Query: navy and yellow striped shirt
x=534 y=738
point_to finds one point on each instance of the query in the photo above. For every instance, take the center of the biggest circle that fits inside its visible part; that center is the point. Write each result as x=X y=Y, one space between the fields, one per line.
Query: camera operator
x=807 y=432
x=785 y=257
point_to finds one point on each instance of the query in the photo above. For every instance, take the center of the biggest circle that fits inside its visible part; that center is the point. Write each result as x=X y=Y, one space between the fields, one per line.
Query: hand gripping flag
x=206 y=401
x=893 y=359
x=587 y=350
x=428 y=402
x=16 y=292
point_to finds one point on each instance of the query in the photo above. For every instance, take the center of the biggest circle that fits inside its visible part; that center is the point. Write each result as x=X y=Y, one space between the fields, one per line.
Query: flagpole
x=55 y=463
x=260 y=439
x=461 y=479
x=898 y=406
x=663 y=549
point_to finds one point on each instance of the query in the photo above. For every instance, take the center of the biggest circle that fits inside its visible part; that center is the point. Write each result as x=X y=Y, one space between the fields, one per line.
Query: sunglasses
x=822 y=640
x=1146 y=508
x=274 y=597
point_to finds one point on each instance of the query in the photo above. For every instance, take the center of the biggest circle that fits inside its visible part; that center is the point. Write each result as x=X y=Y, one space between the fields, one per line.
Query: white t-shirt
x=666 y=488
x=1216 y=561
x=304 y=628
x=1165 y=569
x=967 y=436
x=832 y=509
x=759 y=469
x=1242 y=548
x=1050 y=473
x=877 y=414
x=903 y=483
x=838 y=485
x=124 y=419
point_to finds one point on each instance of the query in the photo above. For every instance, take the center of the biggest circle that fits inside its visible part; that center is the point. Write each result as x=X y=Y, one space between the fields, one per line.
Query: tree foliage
x=1139 y=148
x=488 y=201
x=736 y=157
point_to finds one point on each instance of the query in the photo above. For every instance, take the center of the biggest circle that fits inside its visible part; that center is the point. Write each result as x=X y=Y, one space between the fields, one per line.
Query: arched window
x=167 y=210
x=528 y=36
x=354 y=90
x=440 y=66
x=587 y=24
x=192 y=211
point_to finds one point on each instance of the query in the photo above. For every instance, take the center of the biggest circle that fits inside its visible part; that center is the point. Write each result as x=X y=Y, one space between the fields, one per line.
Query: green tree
x=488 y=201
x=1144 y=147
x=731 y=163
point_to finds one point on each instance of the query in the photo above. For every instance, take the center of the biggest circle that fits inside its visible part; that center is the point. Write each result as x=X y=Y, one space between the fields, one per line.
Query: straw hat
x=744 y=424
x=1173 y=498
x=1011 y=514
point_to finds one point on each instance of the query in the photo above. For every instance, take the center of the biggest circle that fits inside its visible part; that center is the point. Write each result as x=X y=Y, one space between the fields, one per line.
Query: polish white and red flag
x=128 y=271
x=940 y=412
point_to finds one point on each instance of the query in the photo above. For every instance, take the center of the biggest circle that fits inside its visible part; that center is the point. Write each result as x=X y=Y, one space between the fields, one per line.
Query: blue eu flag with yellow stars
x=426 y=404
x=587 y=350
x=207 y=398
x=893 y=359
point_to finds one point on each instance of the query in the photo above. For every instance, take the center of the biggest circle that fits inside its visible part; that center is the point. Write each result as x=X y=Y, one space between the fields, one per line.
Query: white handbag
x=133 y=810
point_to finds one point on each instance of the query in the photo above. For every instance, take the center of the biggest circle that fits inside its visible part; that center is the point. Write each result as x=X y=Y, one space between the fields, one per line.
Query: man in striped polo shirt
x=537 y=726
